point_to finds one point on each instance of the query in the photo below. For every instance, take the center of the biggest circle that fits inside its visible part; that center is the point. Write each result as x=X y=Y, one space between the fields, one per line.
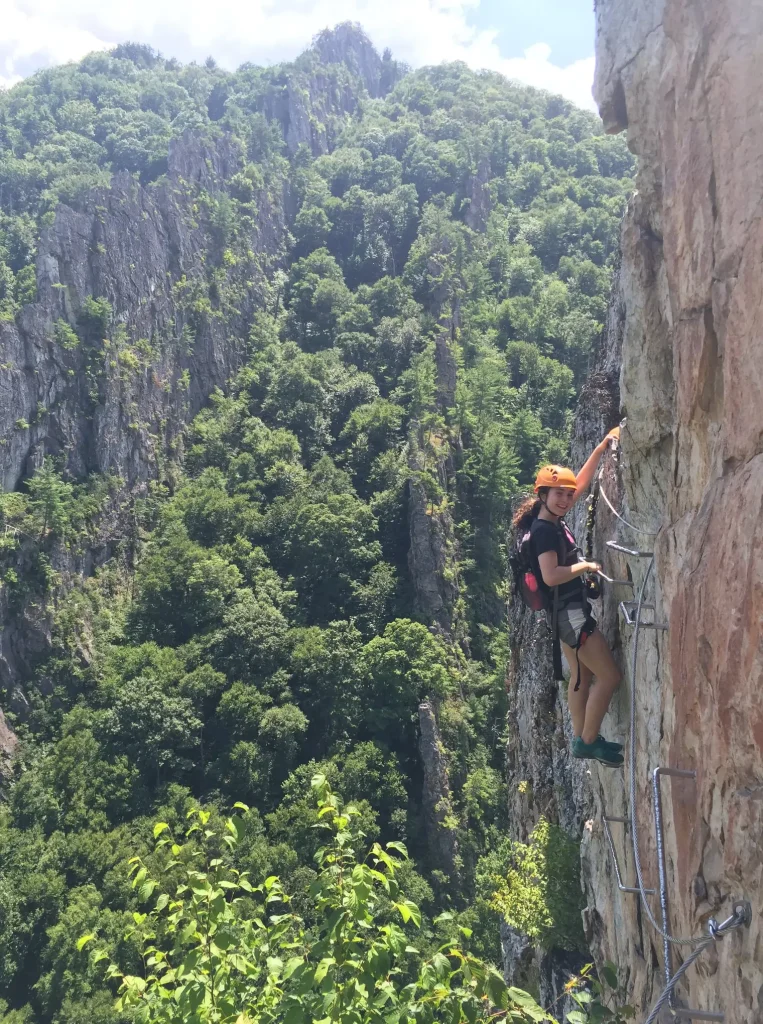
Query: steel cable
x=636 y=529
x=708 y=940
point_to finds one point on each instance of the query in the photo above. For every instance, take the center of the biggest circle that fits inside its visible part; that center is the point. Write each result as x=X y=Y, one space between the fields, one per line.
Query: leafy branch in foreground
x=217 y=948
x=595 y=997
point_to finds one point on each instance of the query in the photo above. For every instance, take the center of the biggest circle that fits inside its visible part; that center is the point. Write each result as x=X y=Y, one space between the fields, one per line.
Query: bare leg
x=596 y=656
x=577 y=700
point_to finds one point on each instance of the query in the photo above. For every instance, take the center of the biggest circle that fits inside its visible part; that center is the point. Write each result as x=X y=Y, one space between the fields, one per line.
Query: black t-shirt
x=548 y=536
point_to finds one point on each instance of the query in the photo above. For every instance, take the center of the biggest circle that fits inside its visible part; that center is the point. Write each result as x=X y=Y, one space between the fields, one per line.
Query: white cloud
x=37 y=33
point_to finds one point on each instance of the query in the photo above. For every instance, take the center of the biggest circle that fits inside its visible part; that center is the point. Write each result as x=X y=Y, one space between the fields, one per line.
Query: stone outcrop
x=431 y=554
x=348 y=44
x=441 y=836
x=310 y=103
x=141 y=249
x=685 y=79
x=116 y=404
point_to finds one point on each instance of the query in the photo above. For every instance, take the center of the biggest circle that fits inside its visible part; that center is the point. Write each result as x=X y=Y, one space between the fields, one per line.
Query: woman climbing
x=554 y=559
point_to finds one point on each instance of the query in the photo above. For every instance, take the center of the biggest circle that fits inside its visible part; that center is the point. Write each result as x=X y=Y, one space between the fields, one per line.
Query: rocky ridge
x=179 y=310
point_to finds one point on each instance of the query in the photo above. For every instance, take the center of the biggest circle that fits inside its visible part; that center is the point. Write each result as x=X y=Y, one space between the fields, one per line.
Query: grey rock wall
x=143 y=250
x=685 y=79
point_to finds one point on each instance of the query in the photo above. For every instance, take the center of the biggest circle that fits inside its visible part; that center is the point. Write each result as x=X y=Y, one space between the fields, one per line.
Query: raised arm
x=585 y=476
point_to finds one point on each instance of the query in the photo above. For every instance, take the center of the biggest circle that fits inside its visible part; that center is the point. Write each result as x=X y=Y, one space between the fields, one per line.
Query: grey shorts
x=576 y=623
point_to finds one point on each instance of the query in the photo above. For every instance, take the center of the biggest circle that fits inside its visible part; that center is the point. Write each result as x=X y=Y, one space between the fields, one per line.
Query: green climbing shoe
x=611 y=743
x=599 y=751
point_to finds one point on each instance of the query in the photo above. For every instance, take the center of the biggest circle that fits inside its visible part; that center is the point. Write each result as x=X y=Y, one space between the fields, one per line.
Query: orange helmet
x=555 y=476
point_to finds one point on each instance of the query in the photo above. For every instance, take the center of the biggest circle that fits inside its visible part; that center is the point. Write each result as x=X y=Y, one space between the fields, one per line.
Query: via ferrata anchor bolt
x=741 y=918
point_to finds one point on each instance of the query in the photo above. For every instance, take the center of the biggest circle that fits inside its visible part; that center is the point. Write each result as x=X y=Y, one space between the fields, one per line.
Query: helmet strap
x=543 y=503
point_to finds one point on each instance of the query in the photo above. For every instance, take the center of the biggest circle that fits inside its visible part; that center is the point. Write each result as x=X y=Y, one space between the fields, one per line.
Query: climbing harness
x=742 y=910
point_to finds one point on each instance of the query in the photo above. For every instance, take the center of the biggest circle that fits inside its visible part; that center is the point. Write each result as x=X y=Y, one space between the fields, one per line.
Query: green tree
x=402 y=667
x=181 y=588
x=218 y=948
x=50 y=501
x=540 y=894
x=317 y=297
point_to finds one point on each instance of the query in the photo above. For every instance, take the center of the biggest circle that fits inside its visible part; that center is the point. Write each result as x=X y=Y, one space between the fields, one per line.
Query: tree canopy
x=327 y=553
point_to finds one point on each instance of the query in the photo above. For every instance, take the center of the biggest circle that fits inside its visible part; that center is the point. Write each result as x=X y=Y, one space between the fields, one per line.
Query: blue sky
x=566 y=25
x=547 y=43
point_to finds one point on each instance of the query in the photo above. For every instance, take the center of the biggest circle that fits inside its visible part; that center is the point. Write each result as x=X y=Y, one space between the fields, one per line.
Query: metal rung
x=629 y=551
x=625 y=608
x=609 y=579
x=685 y=1014
x=610 y=840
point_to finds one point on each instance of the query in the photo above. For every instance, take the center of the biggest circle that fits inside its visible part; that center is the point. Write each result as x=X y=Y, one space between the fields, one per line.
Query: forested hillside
x=410 y=270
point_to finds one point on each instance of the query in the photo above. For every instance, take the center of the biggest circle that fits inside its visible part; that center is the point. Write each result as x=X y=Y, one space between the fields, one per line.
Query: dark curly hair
x=527 y=510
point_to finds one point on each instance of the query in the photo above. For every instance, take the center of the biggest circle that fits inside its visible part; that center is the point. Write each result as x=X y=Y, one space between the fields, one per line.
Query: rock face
x=142 y=250
x=348 y=44
x=178 y=303
x=686 y=81
x=116 y=403
x=436 y=801
x=432 y=542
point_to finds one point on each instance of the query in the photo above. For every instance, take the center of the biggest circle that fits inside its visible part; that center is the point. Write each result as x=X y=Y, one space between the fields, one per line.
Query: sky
x=546 y=43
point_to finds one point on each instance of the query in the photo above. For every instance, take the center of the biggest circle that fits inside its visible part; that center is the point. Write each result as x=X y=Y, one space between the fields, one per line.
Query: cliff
x=178 y=271
x=684 y=80
x=113 y=399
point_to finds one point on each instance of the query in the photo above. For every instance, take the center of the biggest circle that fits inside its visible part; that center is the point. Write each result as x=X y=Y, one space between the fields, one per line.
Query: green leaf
x=160 y=827
x=401 y=848
x=235 y=826
x=292 y=965
x=405 y=912
x=322 y=969
x=295 y=1013
x=609 y=974
x=83 y=941
x=414 y=912
x=497 y=990
x=146 y=889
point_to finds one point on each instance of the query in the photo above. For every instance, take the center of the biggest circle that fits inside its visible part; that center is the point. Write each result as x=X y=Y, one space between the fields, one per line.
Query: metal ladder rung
x=629 y=551
x=607 y=831
x=627 y=606
x=686 y=1014
x=609 y=579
